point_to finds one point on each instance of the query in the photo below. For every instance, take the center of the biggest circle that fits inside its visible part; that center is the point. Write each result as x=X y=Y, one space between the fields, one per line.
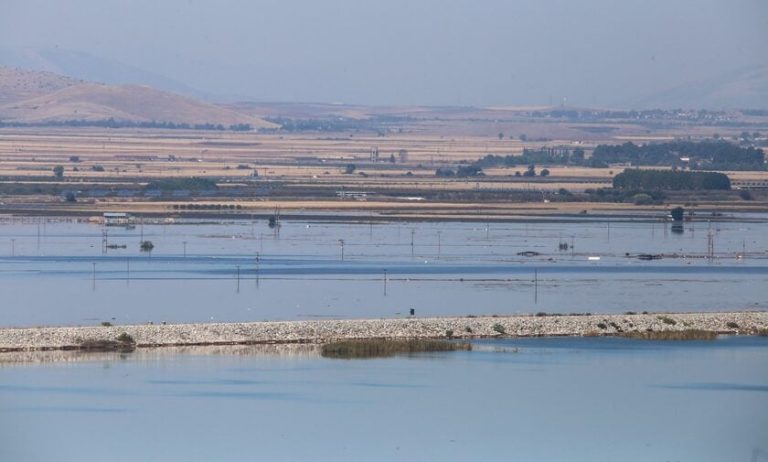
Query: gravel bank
x=63 y=338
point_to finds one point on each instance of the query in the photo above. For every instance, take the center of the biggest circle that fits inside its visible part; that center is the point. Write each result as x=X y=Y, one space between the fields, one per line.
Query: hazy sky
x=438 y=52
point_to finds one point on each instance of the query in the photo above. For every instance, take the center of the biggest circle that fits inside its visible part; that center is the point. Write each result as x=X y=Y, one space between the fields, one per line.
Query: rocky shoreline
x=322 y=331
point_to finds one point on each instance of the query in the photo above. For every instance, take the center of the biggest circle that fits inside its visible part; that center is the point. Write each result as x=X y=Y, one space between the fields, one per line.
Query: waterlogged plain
x=596 y=399
x=60 y=273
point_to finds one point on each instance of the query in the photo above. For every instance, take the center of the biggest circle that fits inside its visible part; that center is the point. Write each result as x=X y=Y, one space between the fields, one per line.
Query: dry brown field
x=303 y=160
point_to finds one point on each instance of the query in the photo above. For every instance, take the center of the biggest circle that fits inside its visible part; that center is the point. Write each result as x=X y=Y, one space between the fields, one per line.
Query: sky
x=408 y=52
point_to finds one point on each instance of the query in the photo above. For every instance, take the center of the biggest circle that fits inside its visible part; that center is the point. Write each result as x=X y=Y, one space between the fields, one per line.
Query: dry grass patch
x=688 y=334
x=383 y=348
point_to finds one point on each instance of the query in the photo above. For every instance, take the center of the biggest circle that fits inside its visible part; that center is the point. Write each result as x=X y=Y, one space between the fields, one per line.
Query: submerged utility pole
x=257 y=269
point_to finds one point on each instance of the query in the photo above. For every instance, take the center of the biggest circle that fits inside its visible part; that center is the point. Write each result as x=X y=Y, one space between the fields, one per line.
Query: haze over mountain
x=745 y=88
x=647 y=53
x=37 y=97
x=85 y=66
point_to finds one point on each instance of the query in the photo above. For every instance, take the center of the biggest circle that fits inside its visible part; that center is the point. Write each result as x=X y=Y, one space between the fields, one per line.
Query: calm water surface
x=563 y=399
x=57 y=273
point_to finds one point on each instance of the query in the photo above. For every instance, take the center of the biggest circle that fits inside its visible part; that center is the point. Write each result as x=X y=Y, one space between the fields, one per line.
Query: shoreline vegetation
x=650 y=326
x=385 y=348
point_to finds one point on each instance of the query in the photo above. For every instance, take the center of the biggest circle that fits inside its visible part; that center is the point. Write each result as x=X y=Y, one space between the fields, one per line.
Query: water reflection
x=235 y=271
x=594 y=399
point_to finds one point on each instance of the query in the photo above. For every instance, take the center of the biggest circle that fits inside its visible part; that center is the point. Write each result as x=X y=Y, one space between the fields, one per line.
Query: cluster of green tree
x=463 y=171
x=553 y=155
x=339 y=124
x=113 y=123
x=190 y=184
x=650 y=180
x=707 y=155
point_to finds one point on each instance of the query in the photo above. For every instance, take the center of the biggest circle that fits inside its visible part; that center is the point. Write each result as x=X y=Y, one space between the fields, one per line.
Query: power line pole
x=385 y=283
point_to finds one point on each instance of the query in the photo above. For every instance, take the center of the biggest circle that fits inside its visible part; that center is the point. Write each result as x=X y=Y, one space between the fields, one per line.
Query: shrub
x=449 y=333
x=125 y=338
x=688 y=334
x=382 y=348
x=642 y=199
x=468 y=329
x=731 y=325
x=106 y=323
x=499 y=328
x=602 y=325
x=667 y=320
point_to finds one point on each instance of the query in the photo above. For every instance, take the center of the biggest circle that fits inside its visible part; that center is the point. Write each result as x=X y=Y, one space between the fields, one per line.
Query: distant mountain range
x=745 y=88
x=39 y=97
x=85 y=66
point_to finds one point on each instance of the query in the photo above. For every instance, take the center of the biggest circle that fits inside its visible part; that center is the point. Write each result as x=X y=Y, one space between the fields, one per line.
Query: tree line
x=114 y=123
x=545 y=155
x=671 y=180
x=705 y=155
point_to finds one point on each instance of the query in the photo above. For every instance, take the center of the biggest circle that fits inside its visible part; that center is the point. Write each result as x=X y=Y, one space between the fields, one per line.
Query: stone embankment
x=64 y=338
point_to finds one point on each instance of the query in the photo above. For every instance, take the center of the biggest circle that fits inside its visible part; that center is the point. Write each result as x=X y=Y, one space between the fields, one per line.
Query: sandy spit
x=321 y=331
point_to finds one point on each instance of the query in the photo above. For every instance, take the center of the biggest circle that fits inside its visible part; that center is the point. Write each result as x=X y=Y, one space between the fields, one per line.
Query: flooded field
x=596 y=399
x=71 y=273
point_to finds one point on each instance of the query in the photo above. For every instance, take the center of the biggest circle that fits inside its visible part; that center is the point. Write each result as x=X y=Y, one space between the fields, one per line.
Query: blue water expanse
x=57 y=272
x=555 y=399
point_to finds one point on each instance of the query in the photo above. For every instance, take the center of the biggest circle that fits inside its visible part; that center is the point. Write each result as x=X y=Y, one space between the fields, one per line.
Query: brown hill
x=20 y=84
x=39 y=97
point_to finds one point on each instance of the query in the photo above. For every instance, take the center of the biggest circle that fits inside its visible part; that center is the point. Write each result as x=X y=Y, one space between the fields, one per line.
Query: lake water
x=555 y=399
x=56 y=273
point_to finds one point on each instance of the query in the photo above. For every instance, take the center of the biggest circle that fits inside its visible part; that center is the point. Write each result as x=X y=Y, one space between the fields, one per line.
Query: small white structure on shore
x=352 y=194
x=117 y=218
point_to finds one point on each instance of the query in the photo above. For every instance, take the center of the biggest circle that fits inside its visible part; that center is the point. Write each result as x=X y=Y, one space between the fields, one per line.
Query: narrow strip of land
x=66 y=338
